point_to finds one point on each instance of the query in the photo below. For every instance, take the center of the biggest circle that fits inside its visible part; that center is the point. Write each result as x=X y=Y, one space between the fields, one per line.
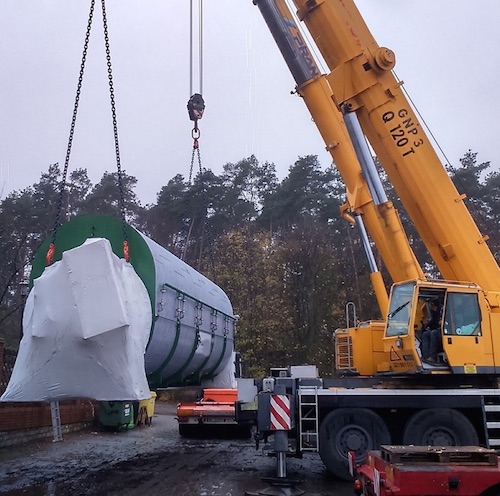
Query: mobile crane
x=383 y=392
x=365 y=90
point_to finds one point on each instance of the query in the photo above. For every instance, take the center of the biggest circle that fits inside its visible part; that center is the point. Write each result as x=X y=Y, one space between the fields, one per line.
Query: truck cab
x=465 y=344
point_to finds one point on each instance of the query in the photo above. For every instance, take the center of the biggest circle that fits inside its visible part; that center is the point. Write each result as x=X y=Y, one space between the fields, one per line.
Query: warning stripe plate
x=280 y=413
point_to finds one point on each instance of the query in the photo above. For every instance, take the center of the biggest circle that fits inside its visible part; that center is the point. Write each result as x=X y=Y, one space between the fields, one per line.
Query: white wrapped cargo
x=98 y=327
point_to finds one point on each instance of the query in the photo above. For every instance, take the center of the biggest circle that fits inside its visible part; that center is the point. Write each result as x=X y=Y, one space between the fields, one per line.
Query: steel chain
x=73 y=123
x=115 y=126
x=192 y=164
x=199 y=162
x=196 y=151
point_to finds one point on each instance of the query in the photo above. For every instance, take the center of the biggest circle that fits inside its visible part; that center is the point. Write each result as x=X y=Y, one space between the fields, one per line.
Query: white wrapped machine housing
x=98 y=327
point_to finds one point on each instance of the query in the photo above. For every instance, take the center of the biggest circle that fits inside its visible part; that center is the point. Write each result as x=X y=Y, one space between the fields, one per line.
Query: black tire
x=440 y=427
x=188 y=430
x=245 y=431
x=350 y=429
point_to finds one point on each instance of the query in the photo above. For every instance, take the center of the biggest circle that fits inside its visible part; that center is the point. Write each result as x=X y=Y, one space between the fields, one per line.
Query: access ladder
x=491 y=409
x=308 y=418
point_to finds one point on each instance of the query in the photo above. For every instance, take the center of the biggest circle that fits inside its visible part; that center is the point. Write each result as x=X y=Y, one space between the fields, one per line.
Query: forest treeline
x=280 y=250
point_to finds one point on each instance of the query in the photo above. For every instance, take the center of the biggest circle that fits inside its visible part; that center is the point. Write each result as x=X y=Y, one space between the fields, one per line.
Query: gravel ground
x=153 y=461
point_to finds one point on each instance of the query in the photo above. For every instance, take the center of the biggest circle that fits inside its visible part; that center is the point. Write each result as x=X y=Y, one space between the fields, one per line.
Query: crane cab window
x=400 y=309
x=462 y=315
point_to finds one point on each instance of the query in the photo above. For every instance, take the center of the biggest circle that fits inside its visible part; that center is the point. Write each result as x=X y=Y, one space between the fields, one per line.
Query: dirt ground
x=153 y=461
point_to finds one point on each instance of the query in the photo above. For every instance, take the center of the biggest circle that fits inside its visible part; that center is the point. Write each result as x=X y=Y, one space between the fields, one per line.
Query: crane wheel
x=440 y=427
x=346 y=429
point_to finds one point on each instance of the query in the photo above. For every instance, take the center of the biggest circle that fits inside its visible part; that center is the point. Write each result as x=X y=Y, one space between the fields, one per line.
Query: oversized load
x=98 y=327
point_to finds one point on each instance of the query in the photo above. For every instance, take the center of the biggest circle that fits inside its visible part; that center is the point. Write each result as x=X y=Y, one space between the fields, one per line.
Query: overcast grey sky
x=447 y=55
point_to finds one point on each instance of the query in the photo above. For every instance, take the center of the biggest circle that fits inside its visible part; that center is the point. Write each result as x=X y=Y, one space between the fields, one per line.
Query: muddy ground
x=152 y=461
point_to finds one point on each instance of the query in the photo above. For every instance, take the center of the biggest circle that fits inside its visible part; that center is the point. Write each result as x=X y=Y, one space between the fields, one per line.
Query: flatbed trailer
x=428 y=471
x=216 y=408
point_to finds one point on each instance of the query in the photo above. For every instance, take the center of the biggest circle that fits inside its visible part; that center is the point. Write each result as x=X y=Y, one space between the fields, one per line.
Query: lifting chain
x=196 y=151
x=50 y=252
x=126 y=252
x=52 y=247
x=196 y=105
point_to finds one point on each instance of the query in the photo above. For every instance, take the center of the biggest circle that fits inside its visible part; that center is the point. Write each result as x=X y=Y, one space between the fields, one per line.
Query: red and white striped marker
x=280 y=413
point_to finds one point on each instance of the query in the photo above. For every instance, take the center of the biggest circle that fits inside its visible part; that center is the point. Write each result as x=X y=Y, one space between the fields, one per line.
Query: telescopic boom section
x=362 y=81
x=380 y=217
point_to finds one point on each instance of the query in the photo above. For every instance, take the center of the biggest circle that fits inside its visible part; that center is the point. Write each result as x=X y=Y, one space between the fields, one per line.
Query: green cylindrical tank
x=192 y=334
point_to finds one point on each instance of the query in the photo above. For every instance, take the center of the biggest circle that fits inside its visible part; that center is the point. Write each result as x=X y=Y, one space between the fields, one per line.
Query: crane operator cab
x=438 y=327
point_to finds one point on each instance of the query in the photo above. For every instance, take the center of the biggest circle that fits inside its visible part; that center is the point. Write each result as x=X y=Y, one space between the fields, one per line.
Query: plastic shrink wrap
x=95 y=326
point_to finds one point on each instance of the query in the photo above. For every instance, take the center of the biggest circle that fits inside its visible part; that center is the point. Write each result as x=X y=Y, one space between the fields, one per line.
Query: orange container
x=220 y=395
